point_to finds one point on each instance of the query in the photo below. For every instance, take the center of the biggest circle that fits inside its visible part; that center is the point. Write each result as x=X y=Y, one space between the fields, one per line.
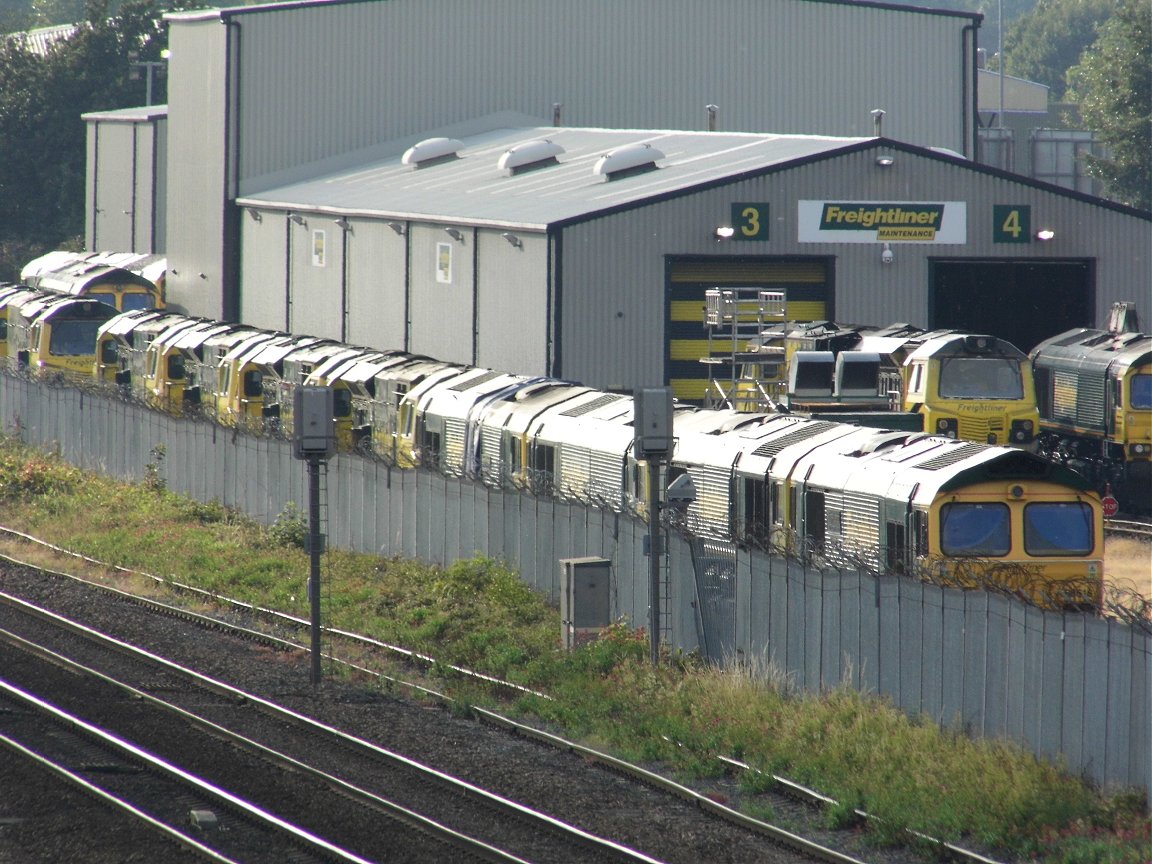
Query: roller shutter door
x=805 y=283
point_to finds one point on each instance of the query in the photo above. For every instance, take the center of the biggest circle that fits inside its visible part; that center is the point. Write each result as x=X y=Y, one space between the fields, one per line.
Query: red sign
x=1111 y=506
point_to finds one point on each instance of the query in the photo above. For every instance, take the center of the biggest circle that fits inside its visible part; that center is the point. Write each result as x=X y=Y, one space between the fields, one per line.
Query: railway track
x=431 y=814
x=1128 y=527
x=799 y=816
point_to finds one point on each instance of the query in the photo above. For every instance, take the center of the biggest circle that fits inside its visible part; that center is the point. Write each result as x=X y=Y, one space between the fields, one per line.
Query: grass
x=677 y=716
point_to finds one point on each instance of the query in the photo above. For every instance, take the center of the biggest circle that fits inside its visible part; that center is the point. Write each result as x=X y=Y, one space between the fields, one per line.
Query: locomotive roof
x=1085 y=349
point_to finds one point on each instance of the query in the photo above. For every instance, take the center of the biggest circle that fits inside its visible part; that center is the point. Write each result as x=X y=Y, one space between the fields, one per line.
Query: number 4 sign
x=1011 y=223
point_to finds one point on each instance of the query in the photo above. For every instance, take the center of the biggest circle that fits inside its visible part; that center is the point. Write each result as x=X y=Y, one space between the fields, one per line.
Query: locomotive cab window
x=981 y=377
x=1061 y=528
x=253 y=383
x=131 y=302
x=175 y=367
x=975 y=530
x=342 y=401
x=1141 y=392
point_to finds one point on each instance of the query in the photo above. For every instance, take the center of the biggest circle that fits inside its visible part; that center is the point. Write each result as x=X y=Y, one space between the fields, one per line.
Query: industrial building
x=288 y=201
x=543 y=250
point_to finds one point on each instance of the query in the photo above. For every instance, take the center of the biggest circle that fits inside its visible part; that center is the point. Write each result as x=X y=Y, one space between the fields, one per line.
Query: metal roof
x=470 y=187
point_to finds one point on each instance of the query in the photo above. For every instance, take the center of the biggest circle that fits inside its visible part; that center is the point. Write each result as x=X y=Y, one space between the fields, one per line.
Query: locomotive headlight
x=1140 y=449
x=948 y=427
x=1021 y=431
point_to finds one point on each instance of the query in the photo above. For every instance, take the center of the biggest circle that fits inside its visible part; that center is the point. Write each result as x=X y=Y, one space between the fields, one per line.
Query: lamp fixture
x=1045 y=234
x=343 y=223
x=297 y=218
x=723 y=232
x=513 y=239
x=398 y=227
x=885 y=160
x=255 y=215
x=886 y=254
x=455 y=234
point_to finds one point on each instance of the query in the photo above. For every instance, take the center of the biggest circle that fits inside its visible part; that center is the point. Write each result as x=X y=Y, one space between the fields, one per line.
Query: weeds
x=679 y=715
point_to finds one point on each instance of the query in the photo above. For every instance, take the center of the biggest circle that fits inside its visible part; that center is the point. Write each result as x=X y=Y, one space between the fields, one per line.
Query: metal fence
x=1066 y=686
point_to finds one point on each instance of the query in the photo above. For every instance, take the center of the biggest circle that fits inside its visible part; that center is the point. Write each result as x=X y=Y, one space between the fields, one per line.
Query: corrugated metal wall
x=1064 y=686
x=328 y=79
x=124 y=201
x=376 y=285
x=197 y=173
x=513 y=300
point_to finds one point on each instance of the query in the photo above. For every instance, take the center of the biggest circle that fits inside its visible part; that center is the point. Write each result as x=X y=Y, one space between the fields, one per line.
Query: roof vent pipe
x=711 y=109
x=877 y=119
x=556 y=113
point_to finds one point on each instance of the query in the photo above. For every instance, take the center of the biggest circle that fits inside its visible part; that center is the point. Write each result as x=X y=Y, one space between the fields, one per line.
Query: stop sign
x=1111 y=506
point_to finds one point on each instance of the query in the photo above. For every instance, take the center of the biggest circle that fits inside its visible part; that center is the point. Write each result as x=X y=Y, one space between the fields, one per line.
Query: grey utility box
x=585 y=599
x=314 y=423
x=652 y=419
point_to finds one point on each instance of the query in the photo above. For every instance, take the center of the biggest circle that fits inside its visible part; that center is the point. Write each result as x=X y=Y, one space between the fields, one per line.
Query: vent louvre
x=472 y=382
x=958 y=454
x=600 y=402
x=771 y=448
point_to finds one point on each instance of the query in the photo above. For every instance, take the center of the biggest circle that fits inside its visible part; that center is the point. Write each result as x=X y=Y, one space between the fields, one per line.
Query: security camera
x=886 y=257
x=681 y=492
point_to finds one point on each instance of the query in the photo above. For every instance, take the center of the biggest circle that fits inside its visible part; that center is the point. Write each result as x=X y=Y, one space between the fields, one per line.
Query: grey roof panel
x=473 y=189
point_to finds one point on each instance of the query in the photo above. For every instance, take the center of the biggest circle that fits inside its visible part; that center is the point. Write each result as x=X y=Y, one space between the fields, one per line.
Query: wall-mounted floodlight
x=877 y=119
x=398 y=227
x=455 y=234
x=297 y=218
x=343 y=223
x=513 y=239
x=255 y=215
x=723 y=232
x=1045 y=234
x=885 y=160
x=887 y=256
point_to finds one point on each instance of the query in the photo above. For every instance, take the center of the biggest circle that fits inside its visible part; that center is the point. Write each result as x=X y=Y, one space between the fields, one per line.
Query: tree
x=1043 y=44
x=1113 y=85
x=42 y=135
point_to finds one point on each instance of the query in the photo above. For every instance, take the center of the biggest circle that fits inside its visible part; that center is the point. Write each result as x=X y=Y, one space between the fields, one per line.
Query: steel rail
x=126 y=749
x=572 y=833
x=495 y=719
x=75 y=780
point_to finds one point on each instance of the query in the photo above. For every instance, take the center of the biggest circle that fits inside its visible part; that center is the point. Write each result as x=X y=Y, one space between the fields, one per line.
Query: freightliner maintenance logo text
x=889 y=221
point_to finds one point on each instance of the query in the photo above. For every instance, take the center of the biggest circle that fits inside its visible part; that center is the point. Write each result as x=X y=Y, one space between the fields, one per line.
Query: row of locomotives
x=921 y=506
x=1094 y=389
x=124 y=280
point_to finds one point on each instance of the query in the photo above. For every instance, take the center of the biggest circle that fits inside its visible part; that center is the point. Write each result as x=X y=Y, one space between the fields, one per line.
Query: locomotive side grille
x=573 y=470
x=1090 y=402
x=1063 y=395
x=605 y=478
x=860 y=525
x=452 y=458
x=712 y=494
x=491 y=456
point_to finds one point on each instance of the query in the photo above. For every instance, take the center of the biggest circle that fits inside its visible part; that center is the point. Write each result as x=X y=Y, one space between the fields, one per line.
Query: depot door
x=805 y=282
x=1024 y=302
